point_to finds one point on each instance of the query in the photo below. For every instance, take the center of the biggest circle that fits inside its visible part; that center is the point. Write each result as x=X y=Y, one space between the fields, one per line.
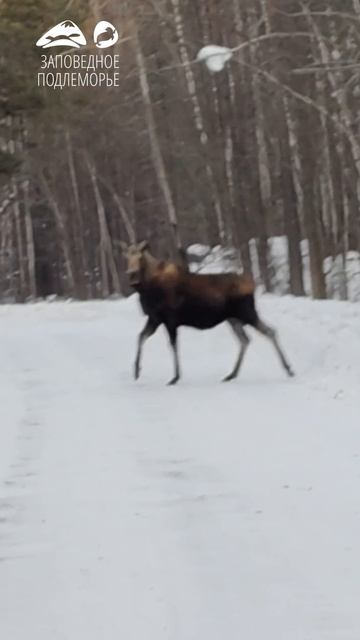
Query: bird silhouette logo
x=105 y=35
x=64 y=34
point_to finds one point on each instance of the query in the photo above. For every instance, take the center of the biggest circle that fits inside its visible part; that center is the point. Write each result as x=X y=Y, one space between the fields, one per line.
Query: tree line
x=176 y=154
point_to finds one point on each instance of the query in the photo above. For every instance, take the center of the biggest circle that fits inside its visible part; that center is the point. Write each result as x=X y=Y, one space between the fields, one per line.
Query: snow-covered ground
x=139 y=512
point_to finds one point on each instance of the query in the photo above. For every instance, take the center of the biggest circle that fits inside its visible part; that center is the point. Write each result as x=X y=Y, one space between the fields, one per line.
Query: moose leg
x=270 y=333
x=147 y=332
x=244 y=340
x=172 y=331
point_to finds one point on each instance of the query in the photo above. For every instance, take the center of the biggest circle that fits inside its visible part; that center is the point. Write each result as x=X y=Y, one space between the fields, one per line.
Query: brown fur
x=173 y=296
x=168 y=274
x=246 y=285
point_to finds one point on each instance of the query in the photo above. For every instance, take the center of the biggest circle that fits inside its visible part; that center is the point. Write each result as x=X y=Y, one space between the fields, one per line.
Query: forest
x=174 y=153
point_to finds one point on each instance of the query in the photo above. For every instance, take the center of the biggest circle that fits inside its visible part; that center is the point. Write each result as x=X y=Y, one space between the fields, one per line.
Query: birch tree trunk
x=344 y=231
x=240 y=214
x=6 y=250
x=106 y=252
x=125 y=218
x=263 y=163
x=128 y=223
x=156 y=152
x=79 y=224
x=313 y=229
x=294 y=212
x=264 y=180
x=30 y=245
x=198 y=120
x=63 y=236
x=339 y=96
x=19 y=241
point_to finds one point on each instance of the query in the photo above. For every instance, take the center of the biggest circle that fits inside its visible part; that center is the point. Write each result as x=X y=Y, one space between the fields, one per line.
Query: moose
x=172 y=296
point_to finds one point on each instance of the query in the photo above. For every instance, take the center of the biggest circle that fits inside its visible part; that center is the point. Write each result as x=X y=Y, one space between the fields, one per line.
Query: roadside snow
x=201 y=511
x=216 y=259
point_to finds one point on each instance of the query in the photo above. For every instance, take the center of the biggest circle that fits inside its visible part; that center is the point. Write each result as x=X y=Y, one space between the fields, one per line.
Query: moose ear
x=142 y=246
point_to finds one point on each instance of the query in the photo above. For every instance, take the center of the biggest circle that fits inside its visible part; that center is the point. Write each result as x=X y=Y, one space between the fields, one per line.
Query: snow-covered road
x=135 y=511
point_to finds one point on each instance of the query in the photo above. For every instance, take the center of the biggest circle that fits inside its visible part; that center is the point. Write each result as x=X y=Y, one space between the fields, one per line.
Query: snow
x=215 y=57
x=206 y=259
x=139 y=511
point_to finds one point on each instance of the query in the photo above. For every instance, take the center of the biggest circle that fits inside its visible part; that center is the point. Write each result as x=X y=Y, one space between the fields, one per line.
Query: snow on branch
x=215 y=57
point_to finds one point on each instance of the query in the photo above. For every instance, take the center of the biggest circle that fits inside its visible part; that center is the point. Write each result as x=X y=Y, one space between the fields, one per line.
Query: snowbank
x=216 y=259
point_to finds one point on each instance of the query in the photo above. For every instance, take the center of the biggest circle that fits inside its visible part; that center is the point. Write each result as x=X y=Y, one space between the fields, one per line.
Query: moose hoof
x=228 y=378
x=173 y=381
x=137 y=373
x=290 y=373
